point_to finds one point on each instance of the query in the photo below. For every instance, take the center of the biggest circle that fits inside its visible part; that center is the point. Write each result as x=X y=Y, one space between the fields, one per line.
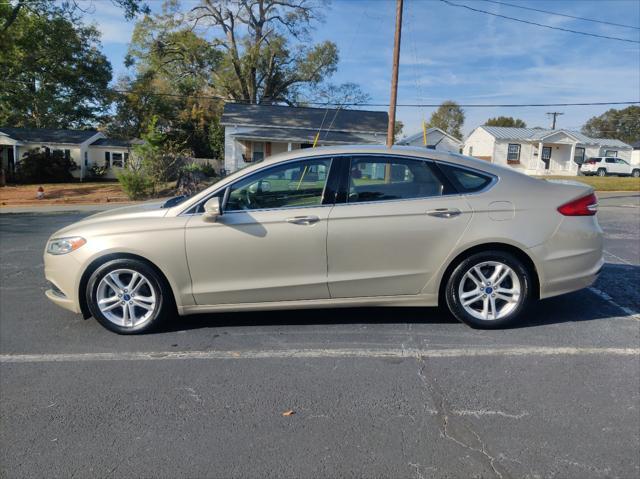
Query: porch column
x=15 y=158
x=538 y=165
x=289 y=146
x=571 y=164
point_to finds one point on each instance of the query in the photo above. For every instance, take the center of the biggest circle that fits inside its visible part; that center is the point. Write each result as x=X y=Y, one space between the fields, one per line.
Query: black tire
x=453 y=285
x=602 y=172
x=635 y=173
x=163 y=303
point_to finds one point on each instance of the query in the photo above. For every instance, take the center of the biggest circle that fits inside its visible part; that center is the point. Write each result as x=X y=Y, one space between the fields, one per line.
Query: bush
x=44 y=166
x=98 y=171
x=137 y=185
x=205 y=168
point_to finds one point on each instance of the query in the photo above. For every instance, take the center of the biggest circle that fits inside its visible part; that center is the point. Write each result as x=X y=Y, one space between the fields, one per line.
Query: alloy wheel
x=126 y=298
x=489 y=290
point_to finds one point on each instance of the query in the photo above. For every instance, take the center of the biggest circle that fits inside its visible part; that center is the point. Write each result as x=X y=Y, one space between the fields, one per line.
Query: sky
x=451 y=53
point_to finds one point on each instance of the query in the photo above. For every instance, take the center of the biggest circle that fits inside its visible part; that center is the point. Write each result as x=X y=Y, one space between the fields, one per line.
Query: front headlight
x=65 y=245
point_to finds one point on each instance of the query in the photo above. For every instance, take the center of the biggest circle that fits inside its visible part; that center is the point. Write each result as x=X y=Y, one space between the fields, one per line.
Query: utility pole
x=394 y=75
x=554 y=114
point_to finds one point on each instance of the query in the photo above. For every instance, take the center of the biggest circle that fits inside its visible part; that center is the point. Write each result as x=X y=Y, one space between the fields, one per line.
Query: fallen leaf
x=289 y=412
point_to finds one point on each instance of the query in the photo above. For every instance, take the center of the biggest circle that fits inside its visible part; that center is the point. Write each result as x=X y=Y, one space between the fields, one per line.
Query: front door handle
x=444 y=212
x=303 y=220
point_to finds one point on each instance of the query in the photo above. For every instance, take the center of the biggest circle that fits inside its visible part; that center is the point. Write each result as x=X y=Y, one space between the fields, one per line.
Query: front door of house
x=546 y=156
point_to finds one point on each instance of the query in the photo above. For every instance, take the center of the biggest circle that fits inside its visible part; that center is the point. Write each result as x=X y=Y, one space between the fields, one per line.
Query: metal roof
x=359 y=121
x=46 y=135
x=408 y=139
x=298 y=135
x=536 y=134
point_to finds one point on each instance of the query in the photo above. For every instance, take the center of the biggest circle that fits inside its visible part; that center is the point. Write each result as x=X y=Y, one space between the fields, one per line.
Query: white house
x=85 y=147
x=537 y=151
x=255 y=132
x=437 y=139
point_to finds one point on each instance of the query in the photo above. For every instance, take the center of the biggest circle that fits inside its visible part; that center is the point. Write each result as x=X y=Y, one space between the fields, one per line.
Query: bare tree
x=260 y=64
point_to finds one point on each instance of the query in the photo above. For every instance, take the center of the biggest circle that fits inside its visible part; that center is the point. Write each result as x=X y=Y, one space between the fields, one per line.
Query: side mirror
x=213 y=208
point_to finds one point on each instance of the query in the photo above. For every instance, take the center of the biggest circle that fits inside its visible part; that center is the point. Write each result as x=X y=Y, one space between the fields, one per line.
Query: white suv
x=607 y=165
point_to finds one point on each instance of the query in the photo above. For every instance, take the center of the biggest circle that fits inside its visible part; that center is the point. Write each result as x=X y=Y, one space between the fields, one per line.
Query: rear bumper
x=572 y=258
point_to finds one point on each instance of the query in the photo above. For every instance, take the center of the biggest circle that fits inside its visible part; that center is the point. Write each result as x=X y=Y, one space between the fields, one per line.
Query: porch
x=556 y=154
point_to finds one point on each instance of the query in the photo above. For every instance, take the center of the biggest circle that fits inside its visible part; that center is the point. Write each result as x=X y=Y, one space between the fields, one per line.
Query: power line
x=562 y=14
x=568 y=30
x=343 y=104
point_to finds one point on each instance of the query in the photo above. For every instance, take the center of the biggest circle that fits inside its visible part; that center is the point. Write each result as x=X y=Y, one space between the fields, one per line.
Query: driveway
x=375 y=392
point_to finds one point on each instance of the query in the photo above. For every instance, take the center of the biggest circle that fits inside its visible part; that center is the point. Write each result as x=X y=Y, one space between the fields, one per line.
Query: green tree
x=505 y=121
x=173 y=77
x=448 y=117
x=622 y=124
x=53 y=73
x=68 y=9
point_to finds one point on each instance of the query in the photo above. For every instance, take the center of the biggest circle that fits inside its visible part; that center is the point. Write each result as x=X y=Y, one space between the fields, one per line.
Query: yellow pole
x=424 y=132
x=315 y=140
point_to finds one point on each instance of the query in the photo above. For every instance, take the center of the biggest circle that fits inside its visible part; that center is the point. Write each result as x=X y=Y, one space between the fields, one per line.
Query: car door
x=623 y=167
x=393 y=228
x=612 y=166
x=270 y=242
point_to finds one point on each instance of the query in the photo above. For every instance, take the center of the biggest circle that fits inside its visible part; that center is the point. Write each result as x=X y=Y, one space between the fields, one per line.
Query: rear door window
x=389 y=178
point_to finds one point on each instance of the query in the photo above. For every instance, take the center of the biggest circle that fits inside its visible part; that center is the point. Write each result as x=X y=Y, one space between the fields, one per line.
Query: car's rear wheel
x=602 y=172
x=127 y=296
x=635 y=173
x=489 y=290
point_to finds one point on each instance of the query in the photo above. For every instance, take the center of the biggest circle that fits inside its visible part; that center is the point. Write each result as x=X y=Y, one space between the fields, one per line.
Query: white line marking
x=631 y=314
x=317 y=353
x=618 y=258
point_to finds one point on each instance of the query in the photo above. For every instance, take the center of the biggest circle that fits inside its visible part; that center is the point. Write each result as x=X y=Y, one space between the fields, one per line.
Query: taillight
x=585 y=206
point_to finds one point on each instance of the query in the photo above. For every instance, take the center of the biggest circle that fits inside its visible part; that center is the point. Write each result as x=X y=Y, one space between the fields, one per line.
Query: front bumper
x=63 y=272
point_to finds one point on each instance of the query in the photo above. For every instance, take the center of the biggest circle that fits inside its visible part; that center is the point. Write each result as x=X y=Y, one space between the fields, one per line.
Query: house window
x=117 y=160
x=513 y=153
x=613 y=153
x=126 y=159
x=578 y=156
x=471 y=151
x=67 y=154
x=107 y=159
x=258 y=152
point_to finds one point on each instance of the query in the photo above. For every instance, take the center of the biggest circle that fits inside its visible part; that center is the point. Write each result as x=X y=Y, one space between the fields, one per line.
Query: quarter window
x=383 y=179
x=291 y=185
x=465 y=181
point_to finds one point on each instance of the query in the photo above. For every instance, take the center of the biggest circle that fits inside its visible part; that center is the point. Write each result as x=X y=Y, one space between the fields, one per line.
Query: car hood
x=145 y=210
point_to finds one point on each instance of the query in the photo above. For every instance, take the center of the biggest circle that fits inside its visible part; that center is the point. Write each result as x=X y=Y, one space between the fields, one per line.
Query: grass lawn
x=607 y=183
x=62 y=193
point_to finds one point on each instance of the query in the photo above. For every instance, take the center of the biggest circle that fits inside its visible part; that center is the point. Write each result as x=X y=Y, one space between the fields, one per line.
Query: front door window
x=291 y=185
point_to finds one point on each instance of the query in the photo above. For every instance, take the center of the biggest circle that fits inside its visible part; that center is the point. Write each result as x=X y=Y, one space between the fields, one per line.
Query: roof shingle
x=47 y=135
x=358 y=121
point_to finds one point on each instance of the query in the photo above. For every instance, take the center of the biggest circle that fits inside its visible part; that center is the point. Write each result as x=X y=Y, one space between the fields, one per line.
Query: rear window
x=465 y=181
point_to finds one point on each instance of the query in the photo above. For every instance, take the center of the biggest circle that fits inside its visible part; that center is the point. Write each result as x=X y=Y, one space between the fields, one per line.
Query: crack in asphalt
x=457 y=431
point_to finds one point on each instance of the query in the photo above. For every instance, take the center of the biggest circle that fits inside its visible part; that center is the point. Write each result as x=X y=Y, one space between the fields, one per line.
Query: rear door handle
x=303 y=220
x=444 y=212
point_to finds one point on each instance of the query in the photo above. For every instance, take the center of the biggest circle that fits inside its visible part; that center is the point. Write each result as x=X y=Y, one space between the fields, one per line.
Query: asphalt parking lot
x=376 y=392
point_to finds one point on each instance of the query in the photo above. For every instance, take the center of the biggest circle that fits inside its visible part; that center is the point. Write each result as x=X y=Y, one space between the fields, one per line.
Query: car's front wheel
x=635 y=173
x=127 y=296
x=489 y=289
